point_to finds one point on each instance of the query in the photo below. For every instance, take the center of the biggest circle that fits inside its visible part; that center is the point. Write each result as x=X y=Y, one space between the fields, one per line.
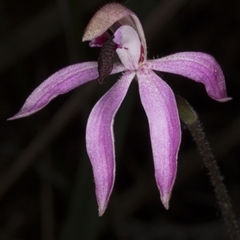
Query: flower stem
x=210 y=163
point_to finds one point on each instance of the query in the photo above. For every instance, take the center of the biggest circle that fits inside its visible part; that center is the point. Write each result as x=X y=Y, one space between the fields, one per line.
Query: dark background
x=47 y=188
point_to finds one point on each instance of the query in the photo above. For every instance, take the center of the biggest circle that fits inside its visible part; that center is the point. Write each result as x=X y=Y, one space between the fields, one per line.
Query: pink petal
x=160 y=106
x=129 y=46
x=109 y=14
x=197 y=66
x=60 y=82
x=100 y=139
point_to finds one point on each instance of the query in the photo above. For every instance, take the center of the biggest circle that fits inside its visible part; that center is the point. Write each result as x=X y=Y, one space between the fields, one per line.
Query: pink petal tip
x=101 y=210
x=165 y=200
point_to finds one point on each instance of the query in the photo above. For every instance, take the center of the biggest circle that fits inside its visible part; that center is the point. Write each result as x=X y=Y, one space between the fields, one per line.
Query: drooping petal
x=160 y=106
x=100 y=139
x=60 y=82
x=129 y=46
x=109 y=14
x=197 y=66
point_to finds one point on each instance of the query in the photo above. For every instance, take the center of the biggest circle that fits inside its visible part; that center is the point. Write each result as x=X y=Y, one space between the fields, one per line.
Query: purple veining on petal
x=60 y=82
x=100 y=139
x=197 y=66
x=129 y=46
x=160 y=106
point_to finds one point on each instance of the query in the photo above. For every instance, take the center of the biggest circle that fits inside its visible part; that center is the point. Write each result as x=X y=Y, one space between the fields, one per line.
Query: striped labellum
x=105 y=59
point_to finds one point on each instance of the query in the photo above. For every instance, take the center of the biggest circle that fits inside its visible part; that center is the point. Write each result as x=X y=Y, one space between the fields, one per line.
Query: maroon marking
x=141 y=59
x=99 y=41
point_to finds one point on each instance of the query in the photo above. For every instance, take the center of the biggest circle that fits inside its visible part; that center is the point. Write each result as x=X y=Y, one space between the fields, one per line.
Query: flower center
x=125 y=41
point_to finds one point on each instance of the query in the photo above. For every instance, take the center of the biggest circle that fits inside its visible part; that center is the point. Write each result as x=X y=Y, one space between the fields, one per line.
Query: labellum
x=105 y=59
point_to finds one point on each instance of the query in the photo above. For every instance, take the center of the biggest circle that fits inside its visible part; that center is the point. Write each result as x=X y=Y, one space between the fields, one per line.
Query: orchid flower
x=117 y=30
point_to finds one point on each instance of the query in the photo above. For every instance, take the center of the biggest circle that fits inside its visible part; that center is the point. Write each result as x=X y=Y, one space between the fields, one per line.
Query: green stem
x=210 y=163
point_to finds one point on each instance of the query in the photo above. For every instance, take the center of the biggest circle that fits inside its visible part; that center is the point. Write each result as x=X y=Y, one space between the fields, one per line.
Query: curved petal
x=100 y=139
x=160 y=106
x=197 y=66
x=109 y=14
x=60 y=82
x=128 y=46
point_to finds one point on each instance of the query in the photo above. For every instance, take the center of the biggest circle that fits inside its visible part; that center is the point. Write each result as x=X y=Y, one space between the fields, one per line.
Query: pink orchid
x=116 y=29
